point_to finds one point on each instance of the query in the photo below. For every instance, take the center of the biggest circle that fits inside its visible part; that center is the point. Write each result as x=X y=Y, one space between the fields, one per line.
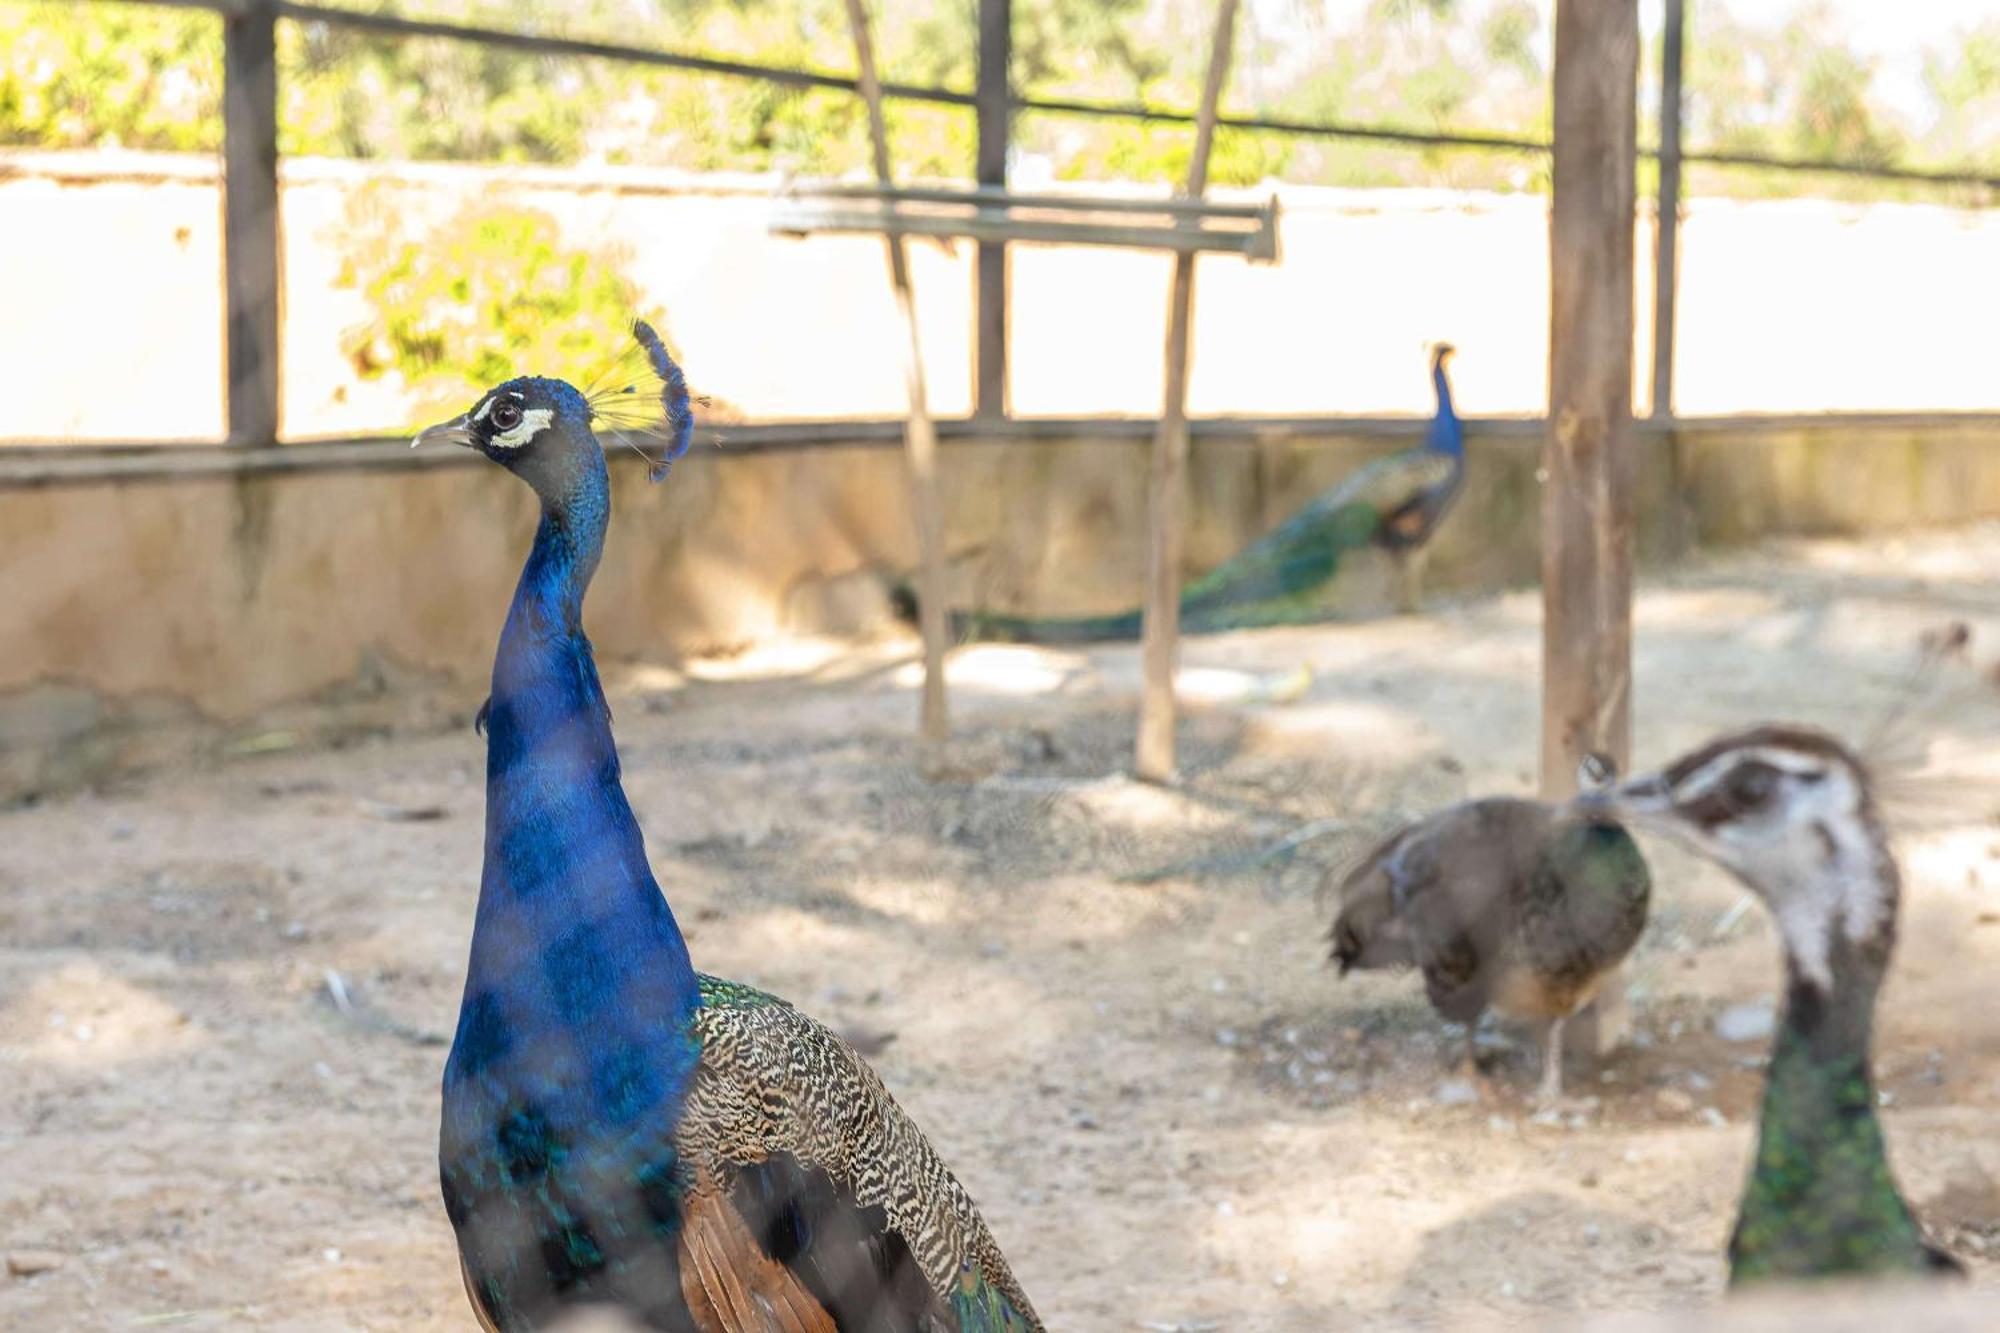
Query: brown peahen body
x=1503 y=904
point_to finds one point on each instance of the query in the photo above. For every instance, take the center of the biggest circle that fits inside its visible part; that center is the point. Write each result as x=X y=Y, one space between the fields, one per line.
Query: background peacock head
x=538 y=429
x=1787 y=810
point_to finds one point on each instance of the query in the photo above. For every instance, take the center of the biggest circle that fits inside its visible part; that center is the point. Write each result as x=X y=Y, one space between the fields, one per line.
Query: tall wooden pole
x=250 y=220
x=1587 y=458
x=920 y=432
x=994 y=103
x=1667 y=214
x=1161 y=652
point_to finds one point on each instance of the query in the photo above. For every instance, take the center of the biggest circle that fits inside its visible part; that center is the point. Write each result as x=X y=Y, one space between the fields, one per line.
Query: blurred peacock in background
x=1791 y=813
x=619 y=1130
x=1394 y=503
x=1515 y=905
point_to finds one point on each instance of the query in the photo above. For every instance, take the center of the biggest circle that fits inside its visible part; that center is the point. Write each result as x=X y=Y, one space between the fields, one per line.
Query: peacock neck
x=565 y=864
x=569 y=542
x=1821 y=1197
x=1446 y=434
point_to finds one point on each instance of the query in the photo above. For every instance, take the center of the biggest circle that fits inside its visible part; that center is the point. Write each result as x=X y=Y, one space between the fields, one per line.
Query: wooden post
x=1161 y=651
x=1667 y=214
x=250 y=220
x=920 y=432
x=1587 y=458
x=994 y=100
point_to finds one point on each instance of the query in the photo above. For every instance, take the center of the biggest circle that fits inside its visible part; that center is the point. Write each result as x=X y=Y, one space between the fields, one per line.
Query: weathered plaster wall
x=147 y=619
x=1785 y=305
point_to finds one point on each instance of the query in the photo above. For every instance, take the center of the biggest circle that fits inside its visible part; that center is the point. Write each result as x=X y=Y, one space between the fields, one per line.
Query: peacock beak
x=1644 y=798
x=456 y=431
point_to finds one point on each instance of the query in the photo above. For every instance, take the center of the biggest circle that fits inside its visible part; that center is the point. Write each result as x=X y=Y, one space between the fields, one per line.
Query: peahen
x=1791 y=813
x=619 y=1130
x=1394 y=503
x=1511 y=904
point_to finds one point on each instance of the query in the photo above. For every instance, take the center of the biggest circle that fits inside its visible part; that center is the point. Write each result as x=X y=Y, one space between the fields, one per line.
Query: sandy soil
x=223 y=994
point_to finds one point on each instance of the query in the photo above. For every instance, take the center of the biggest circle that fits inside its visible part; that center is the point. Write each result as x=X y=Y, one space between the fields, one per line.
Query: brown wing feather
x=730 y=1284
x=774 y=1082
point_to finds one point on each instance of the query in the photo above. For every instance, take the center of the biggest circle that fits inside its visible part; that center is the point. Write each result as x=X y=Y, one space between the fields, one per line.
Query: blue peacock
x=1394 y=504
x=620 y=1130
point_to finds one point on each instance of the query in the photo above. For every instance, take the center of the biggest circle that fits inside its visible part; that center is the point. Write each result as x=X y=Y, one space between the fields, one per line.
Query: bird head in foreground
x=1789 y=811
x=1441 y=355
x=543 y=430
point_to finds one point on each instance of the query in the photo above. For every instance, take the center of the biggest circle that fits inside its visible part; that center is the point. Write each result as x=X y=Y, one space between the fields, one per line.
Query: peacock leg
x=1410 y=566
x=1551 y=1090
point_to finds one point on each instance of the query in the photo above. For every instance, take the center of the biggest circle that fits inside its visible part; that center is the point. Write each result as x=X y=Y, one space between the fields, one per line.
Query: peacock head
x=542 y=430
x=538 y=429
x=1441 y=355
x=1787 y=810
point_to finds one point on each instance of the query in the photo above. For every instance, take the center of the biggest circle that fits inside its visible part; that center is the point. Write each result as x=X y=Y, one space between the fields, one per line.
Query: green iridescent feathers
x=1821 y=1199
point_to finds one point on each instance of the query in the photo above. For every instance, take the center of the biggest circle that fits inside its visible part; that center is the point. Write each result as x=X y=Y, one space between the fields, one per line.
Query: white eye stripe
x=534 y=420
x=1710 y=775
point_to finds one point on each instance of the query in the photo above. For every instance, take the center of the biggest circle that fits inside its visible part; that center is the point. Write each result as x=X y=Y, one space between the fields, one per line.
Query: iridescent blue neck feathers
x=1445 y=435
x=579 y=991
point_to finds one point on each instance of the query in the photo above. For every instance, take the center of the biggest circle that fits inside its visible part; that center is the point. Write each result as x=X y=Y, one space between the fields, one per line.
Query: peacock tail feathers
x=981 y=1307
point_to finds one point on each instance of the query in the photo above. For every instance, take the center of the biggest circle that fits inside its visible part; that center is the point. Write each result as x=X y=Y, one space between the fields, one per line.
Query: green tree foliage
x=83 y=74
x=1965 y=82
x=109 y=76
x=461 y=308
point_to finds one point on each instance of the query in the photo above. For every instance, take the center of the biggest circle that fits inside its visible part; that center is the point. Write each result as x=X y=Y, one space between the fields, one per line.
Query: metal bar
x=1276 y=125
x=994 y=94
x=926 y=507
x=1161 y=622
x=569 y=46
x=1186 y=240
x=1667 y=212
x=250 y=221
x=990 y=197
x=1587 y=502
x=1838 y=168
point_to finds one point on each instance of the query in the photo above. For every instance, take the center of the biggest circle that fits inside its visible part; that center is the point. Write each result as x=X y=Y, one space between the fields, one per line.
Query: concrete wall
x=146 y=620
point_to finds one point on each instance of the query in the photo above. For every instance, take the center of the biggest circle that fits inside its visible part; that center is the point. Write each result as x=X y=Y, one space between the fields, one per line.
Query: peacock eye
x=1751 y=787
x=506 y=414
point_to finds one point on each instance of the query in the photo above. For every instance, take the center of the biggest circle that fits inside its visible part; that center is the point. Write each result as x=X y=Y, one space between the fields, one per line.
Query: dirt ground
x=224 y=993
